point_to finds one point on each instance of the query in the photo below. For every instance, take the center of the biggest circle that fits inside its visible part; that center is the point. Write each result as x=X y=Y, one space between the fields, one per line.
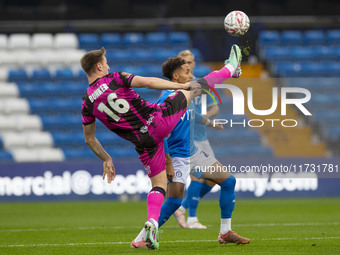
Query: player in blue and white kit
x=197 y=188
x=178 y=146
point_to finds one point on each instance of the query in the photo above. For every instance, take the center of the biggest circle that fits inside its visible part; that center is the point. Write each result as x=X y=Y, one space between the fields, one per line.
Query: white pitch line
x=134 y=227
x=177 y=241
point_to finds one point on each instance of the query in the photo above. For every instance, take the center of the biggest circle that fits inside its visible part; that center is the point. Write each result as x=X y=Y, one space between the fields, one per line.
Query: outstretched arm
x=90 y=139
x=205 y=121
x=156 y=83
x=213 y=111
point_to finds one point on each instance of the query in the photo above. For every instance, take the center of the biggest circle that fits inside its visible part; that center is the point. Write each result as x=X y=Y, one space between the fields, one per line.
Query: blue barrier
x=79 y=180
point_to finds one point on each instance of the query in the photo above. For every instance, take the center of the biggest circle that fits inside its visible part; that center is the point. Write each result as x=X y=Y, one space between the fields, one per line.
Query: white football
x=236 y=23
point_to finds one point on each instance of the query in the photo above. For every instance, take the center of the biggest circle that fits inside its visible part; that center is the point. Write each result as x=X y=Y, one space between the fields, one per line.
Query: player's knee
x=158 y=189
x=230 y=182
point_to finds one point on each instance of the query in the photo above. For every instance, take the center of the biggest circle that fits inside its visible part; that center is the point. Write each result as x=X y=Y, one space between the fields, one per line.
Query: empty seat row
x=26 y=139
x=317 y=85
x=146 y=55
x=299 y=37
x=45 y=74
x=5 y=156
x=88 y=154
x=38 y=41
x=38 y=75
x=330 y=117
x=8 y=90
x=235 y=135
x=274 y=53
x=230 y=151
x=20 y=123
x=14 y=106
x=37 y=155
x=24 y=58
x=55 y=105
x=76 y=139
x=52 y=89
x=306 y=68
x=114 y=40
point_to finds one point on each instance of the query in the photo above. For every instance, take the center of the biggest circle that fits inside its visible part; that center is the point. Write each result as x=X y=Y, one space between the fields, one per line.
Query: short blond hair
x=185 y=53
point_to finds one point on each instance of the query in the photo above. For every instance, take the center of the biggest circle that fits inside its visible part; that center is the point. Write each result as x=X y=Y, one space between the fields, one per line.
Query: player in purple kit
x=111 y=99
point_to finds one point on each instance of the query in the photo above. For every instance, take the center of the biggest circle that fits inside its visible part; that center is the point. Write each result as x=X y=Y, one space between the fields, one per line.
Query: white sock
x=230 y=68
x=141 y=236
x=182 y=209
x=225 y=225
x=192 y=219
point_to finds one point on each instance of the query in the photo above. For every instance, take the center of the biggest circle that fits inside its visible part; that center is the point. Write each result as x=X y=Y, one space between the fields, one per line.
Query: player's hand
x=218 y=126
x=109 y=170
x=186 y=85
x=170 y=172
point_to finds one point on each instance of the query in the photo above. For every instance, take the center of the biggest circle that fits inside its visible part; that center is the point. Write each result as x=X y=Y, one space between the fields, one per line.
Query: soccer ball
x=236 y=23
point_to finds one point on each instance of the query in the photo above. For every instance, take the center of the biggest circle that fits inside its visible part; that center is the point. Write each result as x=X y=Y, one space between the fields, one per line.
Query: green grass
x=280 y=226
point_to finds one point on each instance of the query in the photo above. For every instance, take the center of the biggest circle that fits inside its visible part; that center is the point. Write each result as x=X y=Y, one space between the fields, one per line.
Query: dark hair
x=171 y=65
x=90 y=59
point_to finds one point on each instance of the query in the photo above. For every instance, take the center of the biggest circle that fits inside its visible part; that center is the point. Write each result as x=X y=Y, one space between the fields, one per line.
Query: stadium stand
x=41 y=91
x=45 y=92
x=310 y=53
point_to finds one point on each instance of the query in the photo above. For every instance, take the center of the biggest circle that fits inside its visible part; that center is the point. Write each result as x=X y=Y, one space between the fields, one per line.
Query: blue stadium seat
x=286 y=68
x=162 y=55
x=123 y=152
x=41 y=74
x=314 y=37
x=61 y=122
x=72 y=153
x=291 y=37
x=333 y=68
x=29 y=89
x=89 y=41
x=81 y=76
x=235 y=136
x=18 y=74
x=180 y=39
x=275 y=53
x=61 y=139
x=142 y=56
x=241 y=151
x=151 y=70
x=55 y=105
x=111 y=40
x=270 y=37
x=303 y=53
x=333 y=36
x=5 y=156
x=121 y=56
x=325 y=100
x=202 y=70
x=324 y=52
x=198 y=55
x=310 y=68
x=156 y=39
x=133 y=39
x=64 y=74
x=327 y=117
x=333 y=133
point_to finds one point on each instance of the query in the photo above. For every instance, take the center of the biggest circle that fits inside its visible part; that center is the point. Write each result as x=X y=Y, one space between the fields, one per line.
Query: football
x=236 y=23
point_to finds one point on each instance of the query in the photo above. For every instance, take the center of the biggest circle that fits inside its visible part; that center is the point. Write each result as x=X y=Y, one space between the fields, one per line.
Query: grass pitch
x=280 y=226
